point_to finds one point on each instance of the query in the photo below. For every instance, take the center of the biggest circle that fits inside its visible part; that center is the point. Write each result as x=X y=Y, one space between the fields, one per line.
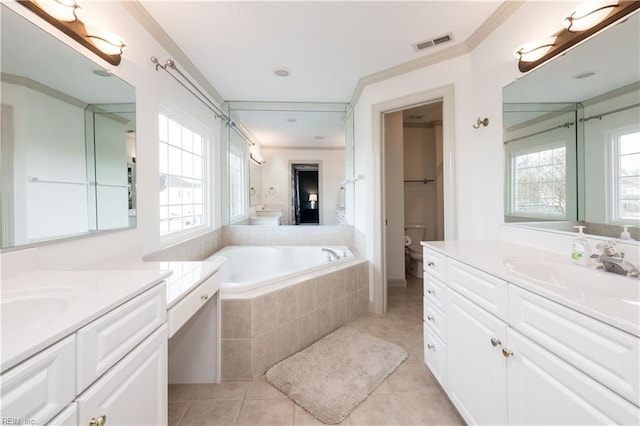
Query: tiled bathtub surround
x=259 y=332
x=288 y=235
x=203 y=246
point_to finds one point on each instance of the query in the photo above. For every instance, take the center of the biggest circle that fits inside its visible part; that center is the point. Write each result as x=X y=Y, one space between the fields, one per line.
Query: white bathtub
x=254 y=270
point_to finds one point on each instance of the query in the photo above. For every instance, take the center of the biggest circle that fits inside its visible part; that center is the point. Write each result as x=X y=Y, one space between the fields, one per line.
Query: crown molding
x=504 y=11
x=301 y=148
x=497 y=18
x=41 y=88
x=143 y=17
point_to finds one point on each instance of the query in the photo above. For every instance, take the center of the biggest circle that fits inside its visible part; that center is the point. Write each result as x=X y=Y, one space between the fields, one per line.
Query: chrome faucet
x=613 y=261
x=331 y=254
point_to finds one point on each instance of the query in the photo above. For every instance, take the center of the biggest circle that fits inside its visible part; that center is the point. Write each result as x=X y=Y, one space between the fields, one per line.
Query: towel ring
x=272 y=190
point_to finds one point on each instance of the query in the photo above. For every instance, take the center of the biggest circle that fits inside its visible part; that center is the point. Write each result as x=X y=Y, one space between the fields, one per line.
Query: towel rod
x=425 y=181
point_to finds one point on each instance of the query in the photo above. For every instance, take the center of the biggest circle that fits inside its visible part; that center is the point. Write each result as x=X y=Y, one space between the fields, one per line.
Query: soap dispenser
x=580 y=248
x=625 y=235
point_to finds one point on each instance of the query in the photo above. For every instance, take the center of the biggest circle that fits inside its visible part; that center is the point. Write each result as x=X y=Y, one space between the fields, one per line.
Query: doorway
x=305 y=190
x=380 y=191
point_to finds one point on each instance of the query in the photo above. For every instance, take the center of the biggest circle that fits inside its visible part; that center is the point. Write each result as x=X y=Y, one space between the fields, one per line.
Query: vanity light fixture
x=64 y=15
x=580 y=24
x=587 y=15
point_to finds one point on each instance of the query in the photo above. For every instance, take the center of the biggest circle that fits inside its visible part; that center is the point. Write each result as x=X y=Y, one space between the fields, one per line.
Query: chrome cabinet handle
x=204 y=296
x=430 y=347
x=431 y=292
x=100 y=421
x=507 y=353
x=430 y=318
x=430 y=264
x=495 y=342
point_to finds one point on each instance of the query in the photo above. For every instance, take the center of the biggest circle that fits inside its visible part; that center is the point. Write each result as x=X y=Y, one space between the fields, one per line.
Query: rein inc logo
x=17 y=421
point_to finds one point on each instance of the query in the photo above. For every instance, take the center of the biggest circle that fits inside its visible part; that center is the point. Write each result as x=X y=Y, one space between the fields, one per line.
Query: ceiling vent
x=421 y=45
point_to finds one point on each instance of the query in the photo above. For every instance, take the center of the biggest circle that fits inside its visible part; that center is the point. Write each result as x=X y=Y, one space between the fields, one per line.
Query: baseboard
x=398 y=282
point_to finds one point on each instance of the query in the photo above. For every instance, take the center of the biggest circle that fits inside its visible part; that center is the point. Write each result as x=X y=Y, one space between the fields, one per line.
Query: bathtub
x=278 y=300
x=251 y=271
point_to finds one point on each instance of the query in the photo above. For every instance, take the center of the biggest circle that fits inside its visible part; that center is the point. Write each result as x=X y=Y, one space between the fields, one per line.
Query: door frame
x=292 y=163
x=378 y=235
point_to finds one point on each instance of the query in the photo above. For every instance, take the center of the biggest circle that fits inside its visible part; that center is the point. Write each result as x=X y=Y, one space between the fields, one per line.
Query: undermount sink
x=28 y=313
x=566 y=275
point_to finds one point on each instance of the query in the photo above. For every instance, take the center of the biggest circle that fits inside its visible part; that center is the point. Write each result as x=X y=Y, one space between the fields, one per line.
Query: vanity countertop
x=41 y=307
x=613 y=299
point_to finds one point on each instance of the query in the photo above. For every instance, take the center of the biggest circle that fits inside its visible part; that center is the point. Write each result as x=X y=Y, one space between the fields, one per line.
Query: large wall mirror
x=67 y=143
x=572 y=138
x=288 y=163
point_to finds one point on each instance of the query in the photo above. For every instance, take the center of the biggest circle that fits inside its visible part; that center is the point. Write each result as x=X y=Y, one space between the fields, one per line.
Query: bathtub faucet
x=331 y=254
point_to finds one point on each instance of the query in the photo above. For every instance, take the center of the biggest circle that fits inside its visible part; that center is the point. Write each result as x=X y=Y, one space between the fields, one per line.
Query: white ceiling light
x=282 y=72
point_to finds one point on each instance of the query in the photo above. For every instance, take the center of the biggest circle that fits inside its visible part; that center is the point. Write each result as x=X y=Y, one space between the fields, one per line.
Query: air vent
x=421 y=45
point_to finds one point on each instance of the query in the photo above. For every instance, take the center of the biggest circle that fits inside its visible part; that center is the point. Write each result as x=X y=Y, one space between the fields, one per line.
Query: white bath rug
x=335 y=374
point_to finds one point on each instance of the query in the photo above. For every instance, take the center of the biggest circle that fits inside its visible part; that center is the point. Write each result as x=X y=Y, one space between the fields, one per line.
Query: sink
x=25 y=309
x=543 y=270
x=568 y=276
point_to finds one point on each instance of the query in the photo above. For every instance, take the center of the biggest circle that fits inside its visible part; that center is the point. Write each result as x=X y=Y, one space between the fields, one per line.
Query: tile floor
x=409 y=396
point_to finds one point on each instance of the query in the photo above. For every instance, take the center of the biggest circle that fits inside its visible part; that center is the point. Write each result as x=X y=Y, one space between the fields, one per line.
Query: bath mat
x=335 y=374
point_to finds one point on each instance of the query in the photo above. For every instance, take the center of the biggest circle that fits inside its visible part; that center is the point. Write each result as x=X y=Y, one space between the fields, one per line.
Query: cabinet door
x=545 y=390
x=134 y=391
x=476 y=368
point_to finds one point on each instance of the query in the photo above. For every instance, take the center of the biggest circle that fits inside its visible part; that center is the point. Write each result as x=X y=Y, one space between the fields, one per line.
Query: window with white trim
x=183 y=171
x=539 y=182
x=626 y=176
x=237 y=193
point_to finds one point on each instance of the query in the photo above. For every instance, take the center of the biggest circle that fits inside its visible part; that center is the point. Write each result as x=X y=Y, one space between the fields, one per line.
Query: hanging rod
x=565 y=125
x=33 y=179
x=599 y=116
x=202 y=97
x=425 y=181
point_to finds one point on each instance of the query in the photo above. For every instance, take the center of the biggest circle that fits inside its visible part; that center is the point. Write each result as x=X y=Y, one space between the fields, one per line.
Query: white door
x=545 y=390
x=476 y=376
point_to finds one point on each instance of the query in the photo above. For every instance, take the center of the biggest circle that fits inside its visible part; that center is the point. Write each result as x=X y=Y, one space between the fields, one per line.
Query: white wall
x=420 y=162
x=276 y=173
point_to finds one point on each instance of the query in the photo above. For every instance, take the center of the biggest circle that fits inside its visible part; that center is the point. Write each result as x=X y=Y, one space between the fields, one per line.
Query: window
x=237 y=196
x=539 y=182
x=183 y=188
x=626 y=176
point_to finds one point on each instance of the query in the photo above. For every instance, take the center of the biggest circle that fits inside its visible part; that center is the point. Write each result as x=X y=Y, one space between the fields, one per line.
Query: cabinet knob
x=100 y=421
x=495 y=342
x=430 y=264
x=507 y=353
x=431 y=291
x=204 y=296
x=430 y=318
x=430 y=347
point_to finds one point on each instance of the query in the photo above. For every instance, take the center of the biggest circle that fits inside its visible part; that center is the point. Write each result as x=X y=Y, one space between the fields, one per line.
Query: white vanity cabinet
x=112 y=370
x=514 y=357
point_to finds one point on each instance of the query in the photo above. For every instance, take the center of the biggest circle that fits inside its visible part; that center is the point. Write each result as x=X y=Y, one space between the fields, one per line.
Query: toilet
x=413 y=235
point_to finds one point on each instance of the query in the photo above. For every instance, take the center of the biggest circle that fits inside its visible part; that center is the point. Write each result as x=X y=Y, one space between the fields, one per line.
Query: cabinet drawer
x=38 y=389
x=485 y=290
x=434 y=290
x=134 y=391
x=435 y=355
x=191 y=303
x=105 y=341
x=605 y=353
x=434 y=264
x=435 y=319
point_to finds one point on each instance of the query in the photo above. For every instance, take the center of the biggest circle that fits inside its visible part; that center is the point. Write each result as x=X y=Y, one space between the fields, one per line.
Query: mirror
x=68 y=140
x=572 y=138
x=279 y=138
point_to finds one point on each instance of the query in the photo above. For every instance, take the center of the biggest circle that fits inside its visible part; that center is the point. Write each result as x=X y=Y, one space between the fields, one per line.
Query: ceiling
x=328 y=47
